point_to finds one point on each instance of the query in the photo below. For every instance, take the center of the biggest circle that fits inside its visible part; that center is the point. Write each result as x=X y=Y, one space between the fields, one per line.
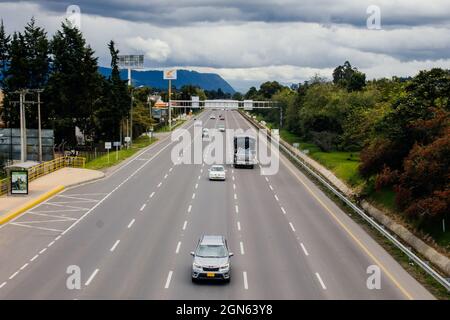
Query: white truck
x=244 y=151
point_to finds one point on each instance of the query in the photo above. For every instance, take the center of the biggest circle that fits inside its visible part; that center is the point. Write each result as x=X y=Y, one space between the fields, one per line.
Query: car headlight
x=225 y=266
x=196 y=266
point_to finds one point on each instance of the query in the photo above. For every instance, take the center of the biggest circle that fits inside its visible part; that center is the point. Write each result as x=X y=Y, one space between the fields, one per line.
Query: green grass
x=102 y=162
x=343 y=164
x=166 y=128
x=384 y=197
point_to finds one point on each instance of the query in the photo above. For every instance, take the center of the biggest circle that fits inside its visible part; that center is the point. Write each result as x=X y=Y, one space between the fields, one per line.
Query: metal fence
x=380 y=228
x=47 y=167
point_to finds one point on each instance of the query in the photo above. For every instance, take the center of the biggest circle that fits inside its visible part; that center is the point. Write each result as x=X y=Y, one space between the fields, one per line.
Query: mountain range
x=154 y=79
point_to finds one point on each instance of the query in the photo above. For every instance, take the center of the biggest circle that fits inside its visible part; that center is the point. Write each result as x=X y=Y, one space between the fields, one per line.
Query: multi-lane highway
x=130 y=234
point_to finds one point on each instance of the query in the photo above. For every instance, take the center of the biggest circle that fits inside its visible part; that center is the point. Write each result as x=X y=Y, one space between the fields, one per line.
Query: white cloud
x=154 y=49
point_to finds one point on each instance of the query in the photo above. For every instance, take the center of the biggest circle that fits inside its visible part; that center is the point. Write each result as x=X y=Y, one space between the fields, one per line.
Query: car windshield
x=211 y=251
x=217 y=169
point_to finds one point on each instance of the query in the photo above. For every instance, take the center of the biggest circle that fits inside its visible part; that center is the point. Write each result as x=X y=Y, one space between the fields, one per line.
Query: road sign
x=107 y=145
x=170 y=74
x=127 y=139
x=116 y=144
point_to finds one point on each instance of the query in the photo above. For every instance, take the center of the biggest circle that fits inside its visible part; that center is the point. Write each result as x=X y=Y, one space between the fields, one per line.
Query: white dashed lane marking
x=91 y=277
x=304 y=249
x=115 y=246
x=131 y=223
x=169 y=277
x=321 y=281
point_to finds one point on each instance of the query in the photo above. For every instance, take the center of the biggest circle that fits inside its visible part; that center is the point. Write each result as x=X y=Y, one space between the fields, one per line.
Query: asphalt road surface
x=130 y=234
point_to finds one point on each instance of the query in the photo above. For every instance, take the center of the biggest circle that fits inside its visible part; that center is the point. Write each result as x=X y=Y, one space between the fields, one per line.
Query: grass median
x=117 y=157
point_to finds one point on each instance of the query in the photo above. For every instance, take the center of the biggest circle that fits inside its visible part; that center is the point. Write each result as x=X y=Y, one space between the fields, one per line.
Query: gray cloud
x=251 y=41
x=184 y=12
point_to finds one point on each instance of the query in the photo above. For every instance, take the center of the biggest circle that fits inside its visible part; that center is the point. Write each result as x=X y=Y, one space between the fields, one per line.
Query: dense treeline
x=75 y=93
x=400 y=126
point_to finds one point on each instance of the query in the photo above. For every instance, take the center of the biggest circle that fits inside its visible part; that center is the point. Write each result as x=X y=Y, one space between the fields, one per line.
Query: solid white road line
x=284 y=211
x=114 y=246
x=321 y=282
x=189 y=208
x=13 y=275
x=304 y=249
x=34 y=258
x=91 y=277
x=143 y=207
x=2 y=285
x=236 y=208
x=184 y=225
x=57 y=238
x=131 y=223
x=245 y=280
x=242 y=248
x=239 y=226
x=169 y=277
x=178 y=247
x=292 y=226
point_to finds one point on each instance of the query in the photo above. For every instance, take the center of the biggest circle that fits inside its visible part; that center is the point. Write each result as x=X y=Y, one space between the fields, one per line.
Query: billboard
x=19 y=182
x=170 y=74
x=131 y=61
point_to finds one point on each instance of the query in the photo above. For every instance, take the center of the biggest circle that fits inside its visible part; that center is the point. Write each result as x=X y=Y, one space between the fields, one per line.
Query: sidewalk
x=42 y=188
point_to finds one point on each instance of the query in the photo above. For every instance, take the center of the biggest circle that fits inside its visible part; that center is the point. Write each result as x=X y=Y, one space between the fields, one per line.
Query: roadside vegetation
x=388 y=138
x=114 y=158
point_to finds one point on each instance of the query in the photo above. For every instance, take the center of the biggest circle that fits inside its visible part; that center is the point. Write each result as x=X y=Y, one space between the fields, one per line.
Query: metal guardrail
x=47 y=167
x=425 y=266
x=4 y=186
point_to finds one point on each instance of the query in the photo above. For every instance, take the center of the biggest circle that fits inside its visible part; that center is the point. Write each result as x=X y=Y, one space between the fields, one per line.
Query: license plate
x=210 y=275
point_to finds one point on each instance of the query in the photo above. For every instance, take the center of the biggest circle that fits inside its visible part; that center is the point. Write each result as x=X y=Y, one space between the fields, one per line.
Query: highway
x=131 y=234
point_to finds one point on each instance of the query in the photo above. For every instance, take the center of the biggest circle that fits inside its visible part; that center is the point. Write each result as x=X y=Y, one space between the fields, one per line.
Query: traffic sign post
x=170 y=74
x=108 y=147
x=117 y=145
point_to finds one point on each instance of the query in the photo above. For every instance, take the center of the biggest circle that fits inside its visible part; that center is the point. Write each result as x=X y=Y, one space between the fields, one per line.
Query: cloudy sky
x=252 y=41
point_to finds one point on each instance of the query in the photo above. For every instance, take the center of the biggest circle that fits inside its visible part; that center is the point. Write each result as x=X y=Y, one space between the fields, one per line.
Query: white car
x=212 y=116
x=217 y=172
x=205 y=133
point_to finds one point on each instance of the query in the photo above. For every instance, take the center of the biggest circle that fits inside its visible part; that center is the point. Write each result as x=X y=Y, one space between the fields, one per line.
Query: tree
x=15 y=78
x=348 y=77
x=75 y=87
x=4 y=49
x=115 y=104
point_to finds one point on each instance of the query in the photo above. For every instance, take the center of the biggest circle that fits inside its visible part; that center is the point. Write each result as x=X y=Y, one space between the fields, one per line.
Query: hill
x=154 y=79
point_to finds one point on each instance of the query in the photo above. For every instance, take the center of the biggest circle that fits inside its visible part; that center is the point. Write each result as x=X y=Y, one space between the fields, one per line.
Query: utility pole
x=39 y=125
x=23 y=128
x=131 y=118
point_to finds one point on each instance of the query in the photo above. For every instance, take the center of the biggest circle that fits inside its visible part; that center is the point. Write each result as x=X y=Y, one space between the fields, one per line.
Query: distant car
x=205 y=133
x=217 y=172
x=212 y=116
x=221 y=117
x=211 y=259
x=221 y=127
